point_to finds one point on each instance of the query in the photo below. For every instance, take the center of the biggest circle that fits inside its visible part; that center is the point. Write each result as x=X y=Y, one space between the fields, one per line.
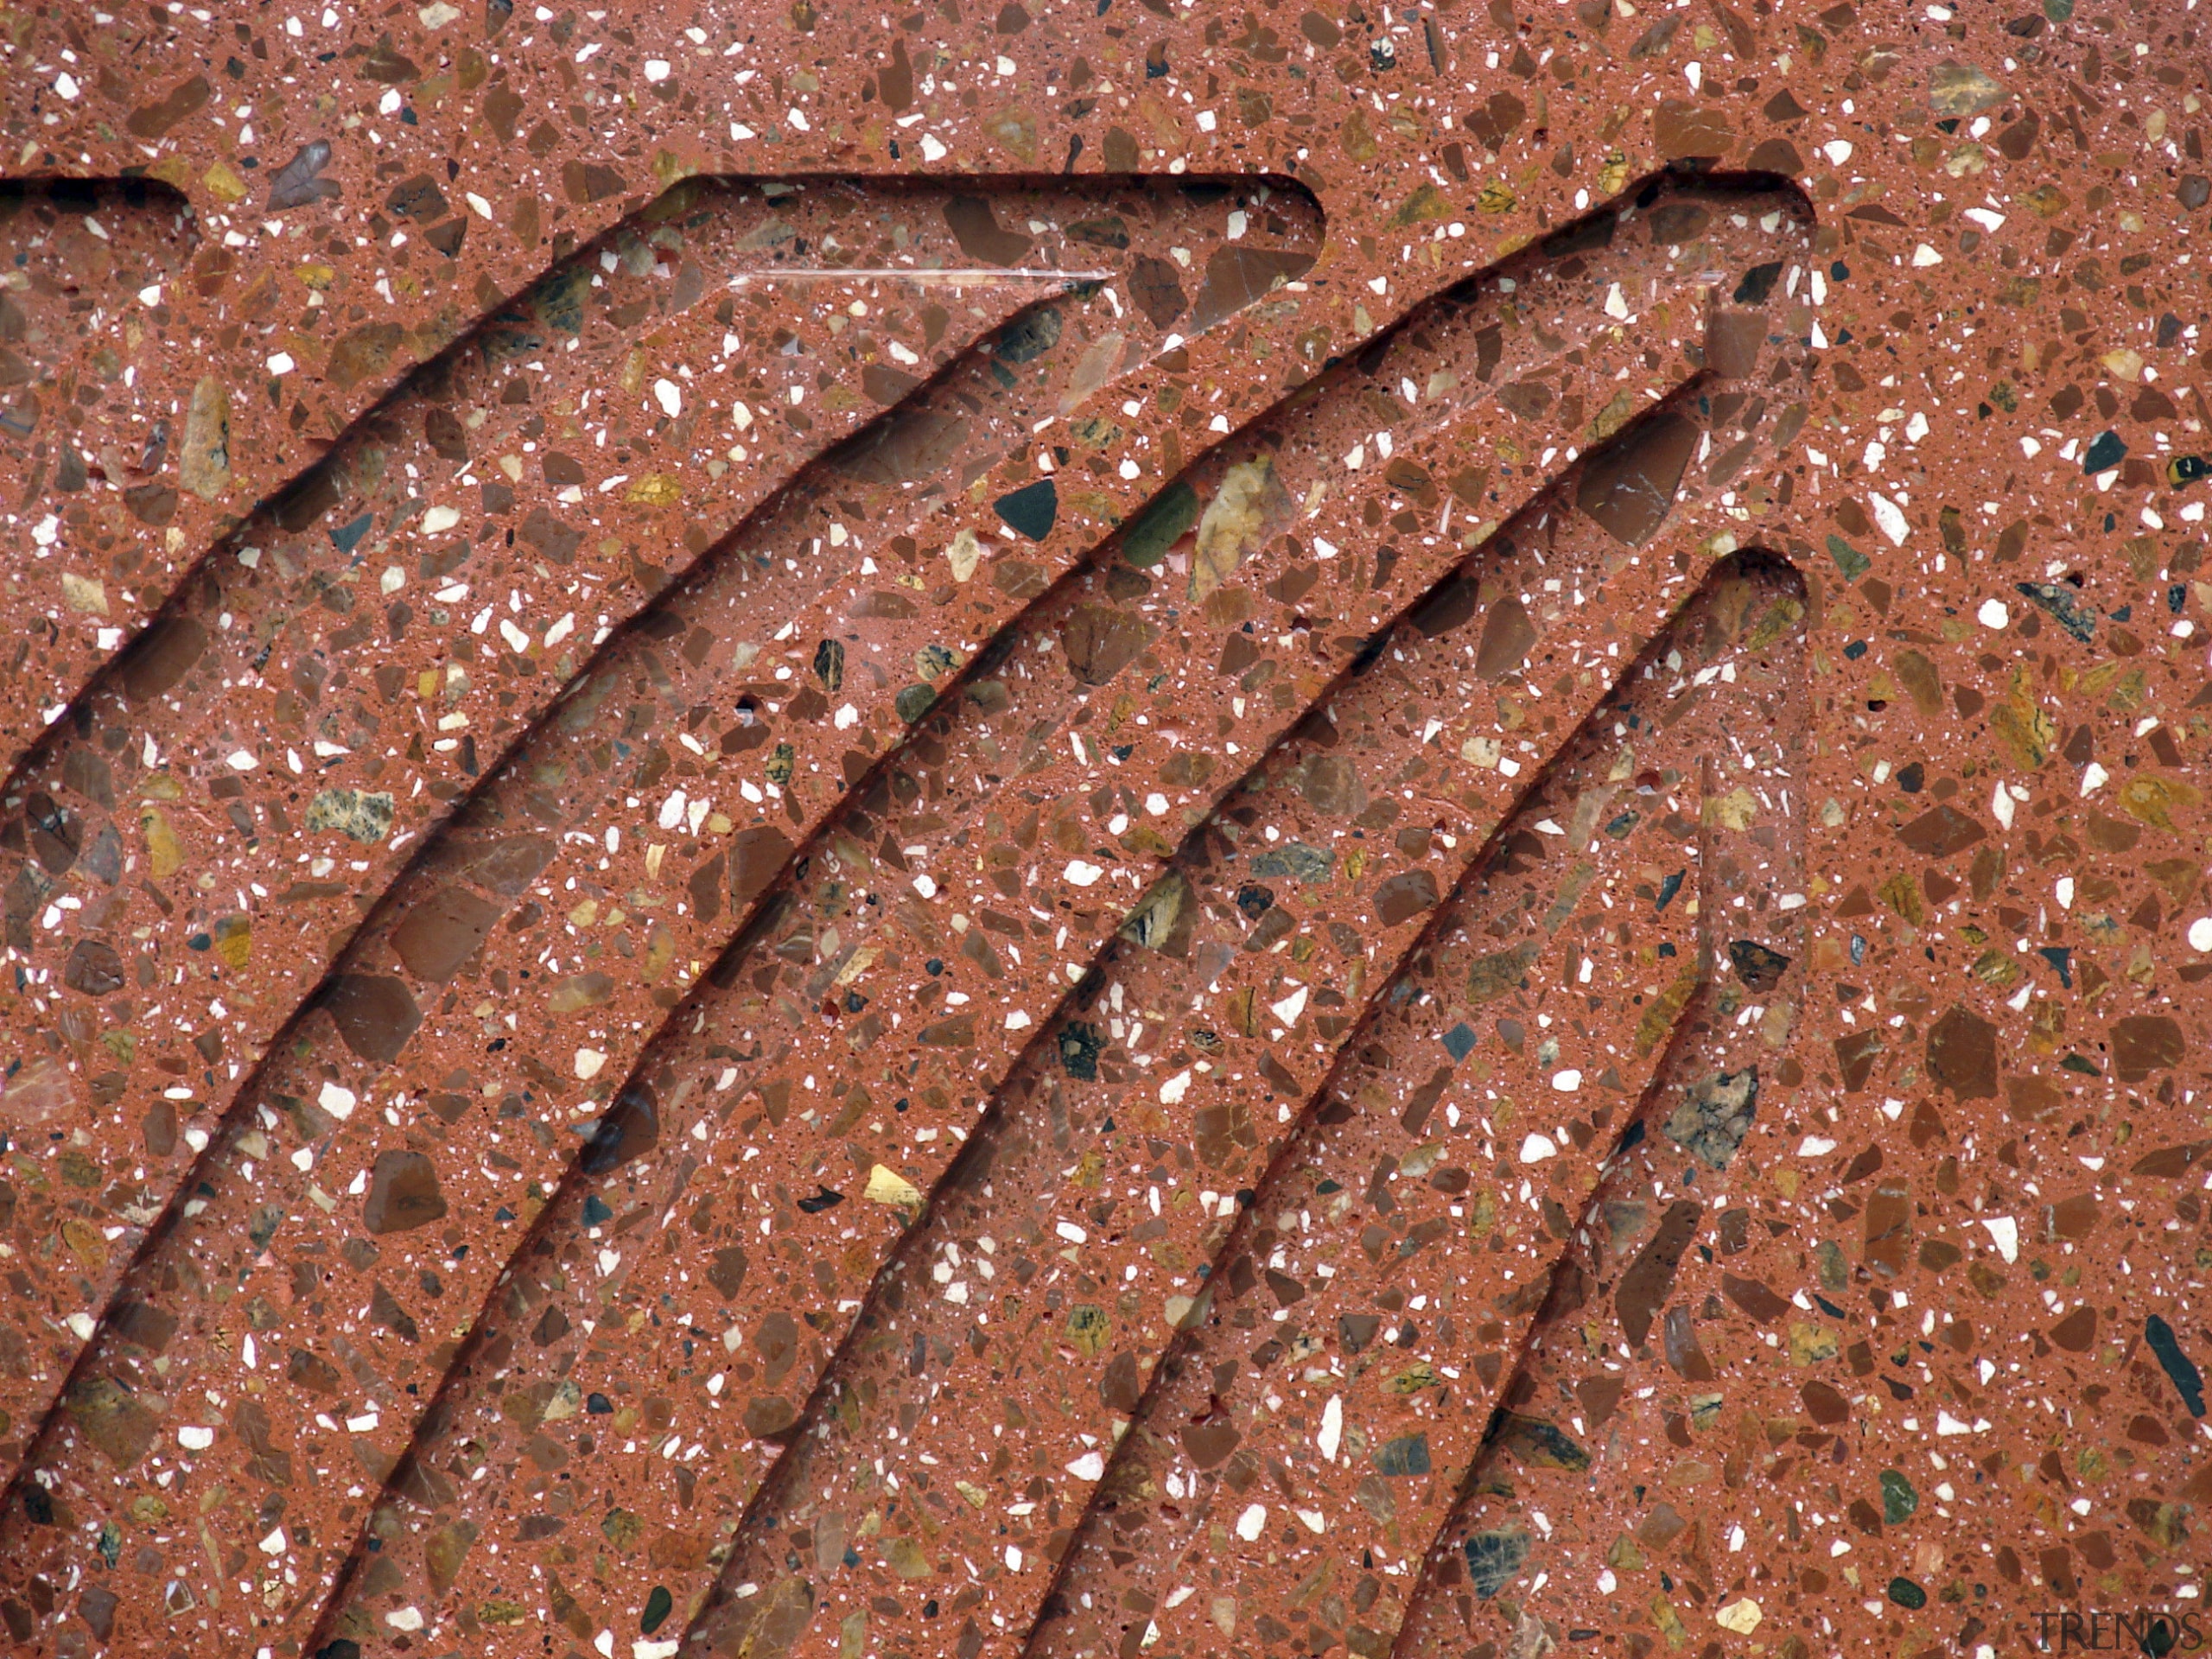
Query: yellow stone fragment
x=2153 y=799
x=223 y=181
x=164 y=852
x=1742 y=1616
x=1664 y=1009
x=1810 y=1344
x=233 y=941
x=2125 y=365
x=83 y=594
x=888 y=1187
x=670 y=168
x=963 y=553
x=1738 y=810
x=85 y=1243
x=1613 y=416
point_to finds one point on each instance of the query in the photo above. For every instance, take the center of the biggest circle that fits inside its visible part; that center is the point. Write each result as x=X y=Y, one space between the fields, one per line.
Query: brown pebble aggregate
x=111 y=515
x=533 y=859
x=811 y=1059
x=1103 y=828
x=198 y=867
x=220 y=799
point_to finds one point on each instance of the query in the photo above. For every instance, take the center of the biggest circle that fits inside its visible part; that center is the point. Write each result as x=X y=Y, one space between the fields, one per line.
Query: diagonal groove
x=1704 y=1098
x=613 y=1136
x=815 y=1485
x=1395 y=1297
x=818 y=1466
x=1674 y=1059
x=1338 y=1262
x=310 y=1095
x=83 y=850
x=830 y=1467
x=424 y=867
x=502 y=331
x=638 y=1192
x=92 y=474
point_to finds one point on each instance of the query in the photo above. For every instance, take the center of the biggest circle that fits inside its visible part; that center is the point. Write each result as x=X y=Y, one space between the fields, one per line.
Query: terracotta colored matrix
x=1132 y=829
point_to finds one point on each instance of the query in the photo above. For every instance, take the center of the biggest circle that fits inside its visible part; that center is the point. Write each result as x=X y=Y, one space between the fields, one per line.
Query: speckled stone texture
x=1121 y=829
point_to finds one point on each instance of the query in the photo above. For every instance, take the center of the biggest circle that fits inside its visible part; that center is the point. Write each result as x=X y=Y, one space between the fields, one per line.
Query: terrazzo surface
x=1127 y=829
